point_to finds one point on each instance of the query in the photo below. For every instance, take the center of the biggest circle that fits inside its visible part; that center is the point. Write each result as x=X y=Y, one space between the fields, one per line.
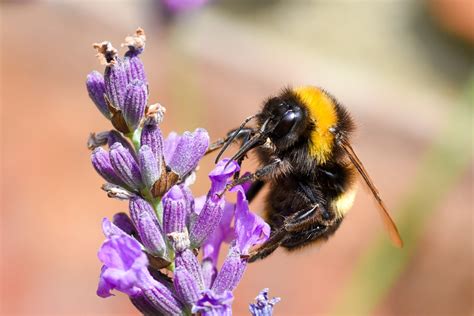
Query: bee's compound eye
x=286 y=123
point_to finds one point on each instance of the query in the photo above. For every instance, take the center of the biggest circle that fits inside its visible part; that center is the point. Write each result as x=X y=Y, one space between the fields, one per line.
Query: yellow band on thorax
x=322 y=111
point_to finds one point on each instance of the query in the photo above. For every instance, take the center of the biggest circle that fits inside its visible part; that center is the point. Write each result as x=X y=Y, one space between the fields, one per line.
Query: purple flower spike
x=212 y=304
x=123 y=262
x=151 y=136
x=263 y=306
x=230 y=274
x=134 y=103
x=149 y=167
x=96 y=87
x=186 y=286
x=115 y=79
x=125 y=166
x=174 y=211
x=102 y=164
x=250 y=228
x=188 y=261
x=221 y=174
x=147 y=226
x=190 y=148
x=207 y=221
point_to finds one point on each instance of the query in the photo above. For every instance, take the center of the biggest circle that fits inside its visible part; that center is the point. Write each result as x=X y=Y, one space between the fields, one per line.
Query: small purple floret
x=212 y=304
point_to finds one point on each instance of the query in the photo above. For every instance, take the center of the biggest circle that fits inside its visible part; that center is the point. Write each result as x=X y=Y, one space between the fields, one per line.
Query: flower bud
x=96 y=87
x=102 y=164
x=186 y=286
x=151 y=136
x=174 y=211
x=115 y=80
x=125 y=166
x=149 y=166
x=134 y=103
x=230 y=273
x=147 y=225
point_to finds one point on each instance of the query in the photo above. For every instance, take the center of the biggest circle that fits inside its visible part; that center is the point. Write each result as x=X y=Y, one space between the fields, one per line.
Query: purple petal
x=96 y=87
x=223 y=233
x=123 y=261
x=134 y=103
x=221 y=174
x=213 y=304
x=151 y=136
x=110 y=229
x=190 y=148
x=125 y=166
x=101 y=162
x=250 y=228
x=186 y=286
x=209 y=272
x=147 y=225
x=230 y=273
x=149 y=166
x=174 y=211
x=115 y=79
x=206 y=221
x=188 y=261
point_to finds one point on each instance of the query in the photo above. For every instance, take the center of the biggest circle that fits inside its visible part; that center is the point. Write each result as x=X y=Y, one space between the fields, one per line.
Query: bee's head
x=308 y=115
x=284 y=120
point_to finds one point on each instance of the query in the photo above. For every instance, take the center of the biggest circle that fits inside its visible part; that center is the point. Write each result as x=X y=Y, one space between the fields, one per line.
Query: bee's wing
x=387 y=220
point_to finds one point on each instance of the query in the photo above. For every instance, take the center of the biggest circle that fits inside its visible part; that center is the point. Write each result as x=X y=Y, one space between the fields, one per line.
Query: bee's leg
x=235 y=134
x=267 y=248
x=259 y=174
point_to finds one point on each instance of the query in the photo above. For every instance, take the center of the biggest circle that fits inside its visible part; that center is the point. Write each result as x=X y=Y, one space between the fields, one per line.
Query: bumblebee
x=302 y=141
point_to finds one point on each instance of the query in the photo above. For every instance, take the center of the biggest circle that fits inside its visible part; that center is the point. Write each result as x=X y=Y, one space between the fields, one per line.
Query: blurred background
x=404 y=69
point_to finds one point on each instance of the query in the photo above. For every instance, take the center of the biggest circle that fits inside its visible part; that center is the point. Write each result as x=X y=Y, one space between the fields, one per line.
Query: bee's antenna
x=233 y=136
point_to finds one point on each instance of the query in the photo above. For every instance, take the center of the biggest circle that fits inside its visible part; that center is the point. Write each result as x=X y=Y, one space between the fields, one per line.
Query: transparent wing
x=387 y=220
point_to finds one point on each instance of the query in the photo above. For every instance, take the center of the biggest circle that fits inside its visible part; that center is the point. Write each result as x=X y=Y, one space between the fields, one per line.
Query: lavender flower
x=166 y=226
x=263 y=306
